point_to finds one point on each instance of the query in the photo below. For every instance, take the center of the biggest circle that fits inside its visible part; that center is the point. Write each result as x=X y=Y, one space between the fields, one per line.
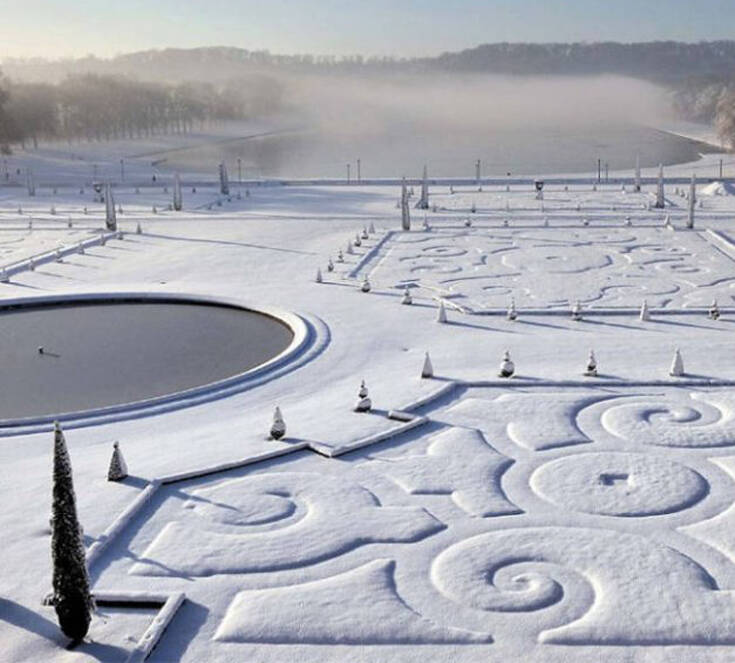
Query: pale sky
x=60 y=28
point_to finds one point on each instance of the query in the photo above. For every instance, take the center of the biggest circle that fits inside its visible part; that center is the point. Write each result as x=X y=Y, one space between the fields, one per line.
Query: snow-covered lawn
x=468 y=517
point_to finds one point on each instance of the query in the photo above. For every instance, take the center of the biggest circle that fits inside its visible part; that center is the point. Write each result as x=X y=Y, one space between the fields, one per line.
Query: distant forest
x=176 y=90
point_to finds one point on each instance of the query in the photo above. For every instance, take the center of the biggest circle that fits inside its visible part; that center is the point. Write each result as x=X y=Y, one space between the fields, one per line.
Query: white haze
x=372 y=105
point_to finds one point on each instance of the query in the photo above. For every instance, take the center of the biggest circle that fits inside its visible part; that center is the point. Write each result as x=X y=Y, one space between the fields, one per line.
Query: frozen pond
x=404 y=149
x=107 y=353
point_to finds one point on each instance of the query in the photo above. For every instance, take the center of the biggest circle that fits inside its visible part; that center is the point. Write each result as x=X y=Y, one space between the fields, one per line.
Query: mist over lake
x=521 y=152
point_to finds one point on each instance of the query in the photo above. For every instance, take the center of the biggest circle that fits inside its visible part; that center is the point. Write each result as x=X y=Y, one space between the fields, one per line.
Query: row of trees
x=104 y=107
x=659 y=61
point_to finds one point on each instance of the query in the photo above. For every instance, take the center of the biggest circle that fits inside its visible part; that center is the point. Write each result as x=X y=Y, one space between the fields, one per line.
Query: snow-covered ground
x=468 y=517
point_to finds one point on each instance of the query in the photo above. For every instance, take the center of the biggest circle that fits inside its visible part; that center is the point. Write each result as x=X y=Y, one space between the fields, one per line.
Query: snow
x=548 y=516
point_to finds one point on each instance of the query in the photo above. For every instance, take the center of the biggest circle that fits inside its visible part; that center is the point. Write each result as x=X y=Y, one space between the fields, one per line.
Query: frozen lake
x=101 y=354
x=402 y=150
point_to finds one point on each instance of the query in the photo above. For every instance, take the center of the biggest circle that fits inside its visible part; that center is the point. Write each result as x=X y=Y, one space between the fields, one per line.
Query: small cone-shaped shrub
x=330 y=265
x=138 y=229
x=714 y=311
x=512 y=313
x=69 y=223
x=371 y=229
x=278 y=427
x=364 y=233
x=31 y=264
x=442 y=314
x=507 y=367
x=71 y=597
x=57 y=255
x=407 y=299
x=80 y=248
x=427 y=371
x=677 y=365
x=365 y=287
x=591 y=370
x=358 y=241
x=577 y=311
x=349 y=248
x=118 y=469
x=645 y=314
x=364 y=404
x=340 y=256
x=473 y=209
x=318 y=275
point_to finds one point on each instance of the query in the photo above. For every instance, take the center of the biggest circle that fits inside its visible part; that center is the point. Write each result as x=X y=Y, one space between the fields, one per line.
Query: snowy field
x=547 y=517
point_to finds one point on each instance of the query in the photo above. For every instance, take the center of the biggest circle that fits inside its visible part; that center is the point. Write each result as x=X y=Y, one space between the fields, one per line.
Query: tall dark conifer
x=72 y=599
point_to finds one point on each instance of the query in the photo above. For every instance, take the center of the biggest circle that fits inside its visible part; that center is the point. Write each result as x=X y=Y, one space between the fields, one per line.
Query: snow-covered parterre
x=550 y=504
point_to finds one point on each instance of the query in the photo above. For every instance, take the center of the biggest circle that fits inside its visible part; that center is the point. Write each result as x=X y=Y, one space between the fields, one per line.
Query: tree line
x=709 y=100
x=108 y=107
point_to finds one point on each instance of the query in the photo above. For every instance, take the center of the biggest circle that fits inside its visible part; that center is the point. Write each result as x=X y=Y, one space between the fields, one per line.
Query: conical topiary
x=118 y=469
x=278 y=427
x=442 y=314
x=677 y=365
x=512 y=314
x=714 y=311
x=364 y=233
x=371 y=229
x=365 y=287
x=71 y=596
x=407 y=299
x=507 y=367
x=591 y=370
x=318 y=278
x=364 y=404
x=358 y=241
x=427 y=370
x=349 y=248
x=340 y=256
x=577 y=311
x=330 y=265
